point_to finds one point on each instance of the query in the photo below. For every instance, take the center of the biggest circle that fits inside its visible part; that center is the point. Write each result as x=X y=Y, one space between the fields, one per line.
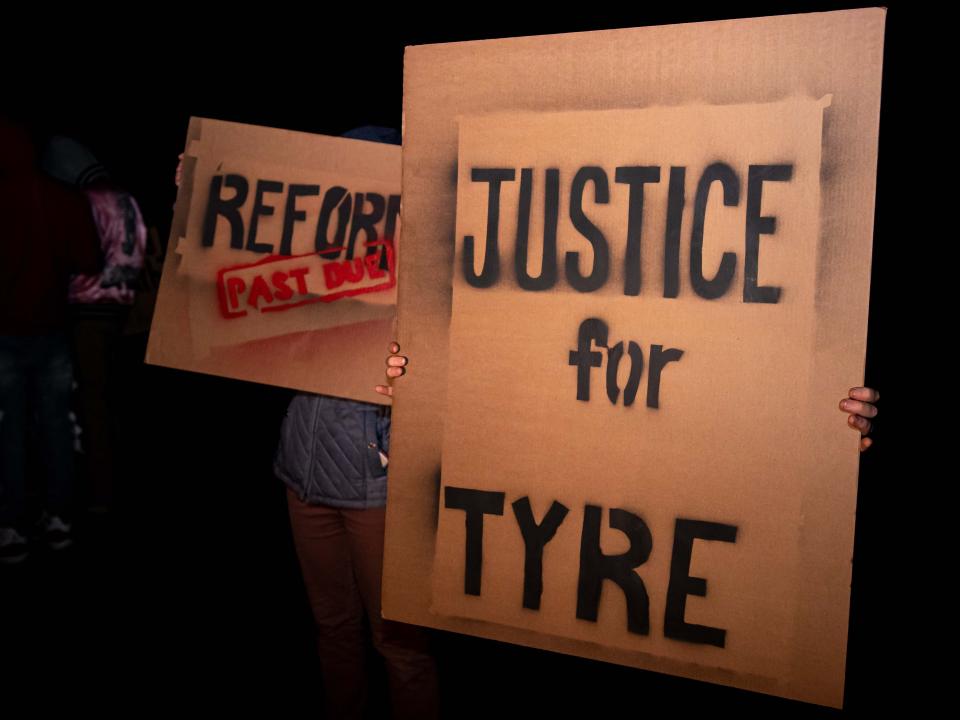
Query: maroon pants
x=341 y=556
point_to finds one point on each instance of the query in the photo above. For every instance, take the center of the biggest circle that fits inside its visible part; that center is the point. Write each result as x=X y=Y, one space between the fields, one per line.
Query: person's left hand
x=859 y=403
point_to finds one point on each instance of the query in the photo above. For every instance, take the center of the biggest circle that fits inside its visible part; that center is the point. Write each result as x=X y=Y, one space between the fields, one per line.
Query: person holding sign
x=332 y=456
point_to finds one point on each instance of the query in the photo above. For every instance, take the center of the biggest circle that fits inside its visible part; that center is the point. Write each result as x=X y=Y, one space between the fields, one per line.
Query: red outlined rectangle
x=265 y=286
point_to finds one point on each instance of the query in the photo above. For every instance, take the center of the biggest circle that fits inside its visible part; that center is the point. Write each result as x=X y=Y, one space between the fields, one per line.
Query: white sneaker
x=13 y=546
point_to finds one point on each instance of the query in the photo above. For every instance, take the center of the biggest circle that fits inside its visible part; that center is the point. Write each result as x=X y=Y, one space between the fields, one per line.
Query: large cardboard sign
x=618 y=436
x=281 y=267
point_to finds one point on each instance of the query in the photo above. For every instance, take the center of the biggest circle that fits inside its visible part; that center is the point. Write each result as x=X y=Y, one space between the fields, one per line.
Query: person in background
x=47 y=235
x=99 y=305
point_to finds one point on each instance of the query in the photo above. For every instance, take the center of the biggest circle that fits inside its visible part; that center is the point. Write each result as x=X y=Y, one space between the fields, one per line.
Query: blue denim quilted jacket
x=329 y=451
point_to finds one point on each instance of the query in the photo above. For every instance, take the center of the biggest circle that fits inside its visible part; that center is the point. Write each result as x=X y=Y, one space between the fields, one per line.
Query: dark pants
x=35 y=381
x=341 y=556
x=97 y=332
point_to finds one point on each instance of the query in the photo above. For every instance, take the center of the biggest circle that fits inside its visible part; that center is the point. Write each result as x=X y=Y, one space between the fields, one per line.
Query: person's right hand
x=396 y=367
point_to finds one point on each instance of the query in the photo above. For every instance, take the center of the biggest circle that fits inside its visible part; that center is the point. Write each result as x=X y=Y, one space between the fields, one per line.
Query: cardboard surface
x=281 y=266
x=736 y=467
